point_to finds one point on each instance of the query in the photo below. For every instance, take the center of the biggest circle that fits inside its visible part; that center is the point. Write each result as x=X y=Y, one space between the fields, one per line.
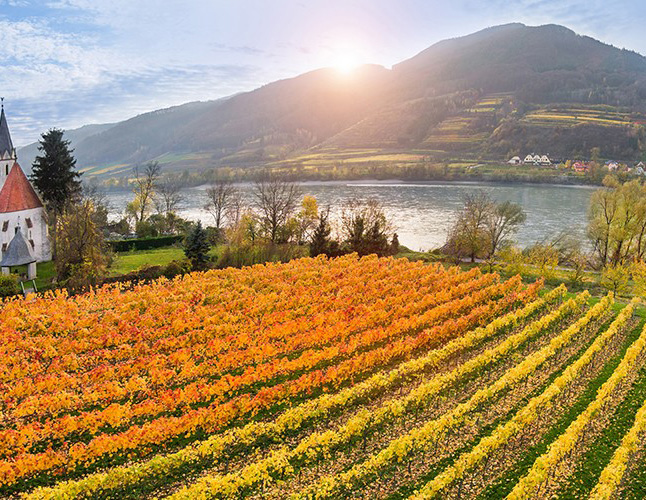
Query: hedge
x=150 y=273
x=143 y=243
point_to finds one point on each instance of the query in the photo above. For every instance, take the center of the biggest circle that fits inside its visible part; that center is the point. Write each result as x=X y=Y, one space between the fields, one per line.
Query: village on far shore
x=536 y=160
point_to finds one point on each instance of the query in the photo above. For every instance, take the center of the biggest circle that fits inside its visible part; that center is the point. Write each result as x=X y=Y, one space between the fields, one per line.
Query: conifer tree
x=320 y=243
x=53 y=172
x=55 y=178
x=196 y=246
x=394 y=244
x=376 y=241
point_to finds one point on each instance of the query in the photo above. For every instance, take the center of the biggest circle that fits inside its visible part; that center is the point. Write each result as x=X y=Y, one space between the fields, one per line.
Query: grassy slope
x=131 y=261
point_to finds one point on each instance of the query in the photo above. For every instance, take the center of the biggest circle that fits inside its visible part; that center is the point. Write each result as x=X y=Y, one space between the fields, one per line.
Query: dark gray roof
x=5 y=137
x=18 y=253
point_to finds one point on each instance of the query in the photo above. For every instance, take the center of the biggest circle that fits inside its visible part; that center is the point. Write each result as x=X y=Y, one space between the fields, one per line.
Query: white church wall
x=37 y=233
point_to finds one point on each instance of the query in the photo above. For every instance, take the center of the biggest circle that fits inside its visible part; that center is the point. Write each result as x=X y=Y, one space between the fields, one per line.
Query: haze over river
x=424 y=212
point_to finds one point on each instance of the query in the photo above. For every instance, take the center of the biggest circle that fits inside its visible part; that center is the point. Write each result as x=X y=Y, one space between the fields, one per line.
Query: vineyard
x=342 y=378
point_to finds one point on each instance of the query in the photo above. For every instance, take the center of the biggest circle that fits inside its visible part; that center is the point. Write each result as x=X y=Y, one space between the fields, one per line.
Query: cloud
x=54 y=77
x=37 y=60
x=244 y=49
x=123 y=97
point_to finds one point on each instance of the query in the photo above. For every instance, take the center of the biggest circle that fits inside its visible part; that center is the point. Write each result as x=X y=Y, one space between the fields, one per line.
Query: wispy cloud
x=56 y=77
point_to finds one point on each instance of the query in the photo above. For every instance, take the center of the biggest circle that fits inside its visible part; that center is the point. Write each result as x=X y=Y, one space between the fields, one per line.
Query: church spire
x=6 y=146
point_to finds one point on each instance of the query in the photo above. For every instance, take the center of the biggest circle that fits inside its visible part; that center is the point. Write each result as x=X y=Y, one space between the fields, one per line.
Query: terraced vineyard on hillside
x=470 y=128
x=572 y=115
x=373 y=378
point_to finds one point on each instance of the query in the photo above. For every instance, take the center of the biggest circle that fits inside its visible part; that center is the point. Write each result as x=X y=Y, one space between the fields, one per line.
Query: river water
x=422 y=212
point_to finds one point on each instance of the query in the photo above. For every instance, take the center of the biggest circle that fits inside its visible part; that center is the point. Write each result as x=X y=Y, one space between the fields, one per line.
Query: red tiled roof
x=17 y=192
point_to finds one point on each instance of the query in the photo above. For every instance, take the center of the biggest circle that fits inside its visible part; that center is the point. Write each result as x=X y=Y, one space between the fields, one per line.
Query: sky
x=68 y=63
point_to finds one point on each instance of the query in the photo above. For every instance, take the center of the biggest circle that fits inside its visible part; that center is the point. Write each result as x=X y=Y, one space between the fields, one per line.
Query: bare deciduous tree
x=483 y=226
x=503 y=220
x=168 y=195
x=276 y=199
x=221 y=196
x=235 y=208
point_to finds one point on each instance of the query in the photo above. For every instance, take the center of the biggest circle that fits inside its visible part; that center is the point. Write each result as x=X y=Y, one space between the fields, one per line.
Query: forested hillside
x=504 y=90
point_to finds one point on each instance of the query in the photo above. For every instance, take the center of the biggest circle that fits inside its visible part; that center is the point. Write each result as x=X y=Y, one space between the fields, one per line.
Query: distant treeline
x=422 y=171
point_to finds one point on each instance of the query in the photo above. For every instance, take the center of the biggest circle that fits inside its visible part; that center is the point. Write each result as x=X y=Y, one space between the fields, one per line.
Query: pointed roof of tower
x=17 y=192
x=5 y=137
x=18 y=253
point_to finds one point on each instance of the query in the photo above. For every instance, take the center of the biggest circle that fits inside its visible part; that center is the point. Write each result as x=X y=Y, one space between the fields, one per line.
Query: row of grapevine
x=613 y=474
x=527 y=415
x=165 y=364
x=428 y=435
x=321 y=379
x=283 y=462
x=218 y=447
x=531 y=483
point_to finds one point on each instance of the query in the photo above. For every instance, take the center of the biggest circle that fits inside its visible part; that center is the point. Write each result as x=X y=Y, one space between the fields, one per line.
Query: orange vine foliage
x=116 y=372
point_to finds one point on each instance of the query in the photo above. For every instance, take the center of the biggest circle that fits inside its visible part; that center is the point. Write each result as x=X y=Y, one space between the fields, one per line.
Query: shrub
x=249 y=255
x=146 y=229
x=176 y=267
x=8 y=285
x=83 y=276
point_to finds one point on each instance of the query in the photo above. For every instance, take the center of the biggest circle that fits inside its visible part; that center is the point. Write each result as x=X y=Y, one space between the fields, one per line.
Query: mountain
x=290 y=114
x=525 y=59
x=28 y=153
x=504 y=90
x=510 y=89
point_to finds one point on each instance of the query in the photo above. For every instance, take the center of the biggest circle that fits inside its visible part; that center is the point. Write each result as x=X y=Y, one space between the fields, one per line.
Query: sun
x=346 y=63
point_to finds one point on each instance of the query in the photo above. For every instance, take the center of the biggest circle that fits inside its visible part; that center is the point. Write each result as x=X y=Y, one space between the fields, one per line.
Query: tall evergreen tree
x=55 y=178
x=321 y=242
x=394 y=244
x=196 y=246
x=376 y=241
x=53 y=172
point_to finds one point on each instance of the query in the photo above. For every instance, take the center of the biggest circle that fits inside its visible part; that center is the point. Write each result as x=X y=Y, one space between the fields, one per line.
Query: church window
x=33 y=245
x=29 y=223
x=4 y=247
x=15 y=231
x=5 y=226
x=6 y=169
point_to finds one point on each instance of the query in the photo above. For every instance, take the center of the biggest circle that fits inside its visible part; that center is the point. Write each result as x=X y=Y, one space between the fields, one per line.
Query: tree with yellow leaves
x=82 y=258
x=302 y=224
x=615 y=278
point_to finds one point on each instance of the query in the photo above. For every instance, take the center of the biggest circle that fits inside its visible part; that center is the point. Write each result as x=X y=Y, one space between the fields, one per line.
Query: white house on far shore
x=531 y=159
x=20 y=207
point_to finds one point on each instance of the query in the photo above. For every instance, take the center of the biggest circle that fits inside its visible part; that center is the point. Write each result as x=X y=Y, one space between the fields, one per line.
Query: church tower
x=7 y=151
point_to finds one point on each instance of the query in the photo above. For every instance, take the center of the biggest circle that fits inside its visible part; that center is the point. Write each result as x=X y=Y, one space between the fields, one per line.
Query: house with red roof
x=580 y=167
x=21 y=209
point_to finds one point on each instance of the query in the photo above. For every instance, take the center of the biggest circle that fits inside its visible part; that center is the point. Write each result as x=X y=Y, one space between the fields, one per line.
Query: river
x=423 y=212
